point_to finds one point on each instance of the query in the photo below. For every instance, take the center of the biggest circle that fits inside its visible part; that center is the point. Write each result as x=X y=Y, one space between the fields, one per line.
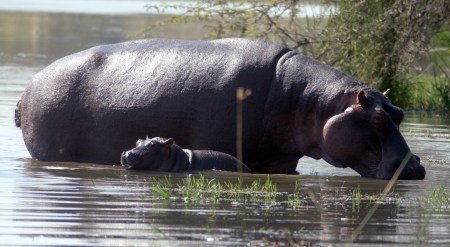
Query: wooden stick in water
x=384 y=193
x=241 y=94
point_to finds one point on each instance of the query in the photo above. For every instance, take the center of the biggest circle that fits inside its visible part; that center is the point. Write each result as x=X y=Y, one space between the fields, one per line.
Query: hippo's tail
x=17 y=115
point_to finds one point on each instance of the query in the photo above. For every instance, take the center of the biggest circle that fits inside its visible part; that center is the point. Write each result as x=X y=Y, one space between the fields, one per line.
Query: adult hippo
x=161 y=154
x=187 y=90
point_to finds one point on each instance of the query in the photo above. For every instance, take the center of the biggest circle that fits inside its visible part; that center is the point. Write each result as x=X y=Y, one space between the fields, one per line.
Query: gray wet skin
x=160 y=154
x=88 y=107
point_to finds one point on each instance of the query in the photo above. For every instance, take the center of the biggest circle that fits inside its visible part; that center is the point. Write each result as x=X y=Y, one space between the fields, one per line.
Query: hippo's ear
x=386 y=93
x=362 y=98
x=169 y=142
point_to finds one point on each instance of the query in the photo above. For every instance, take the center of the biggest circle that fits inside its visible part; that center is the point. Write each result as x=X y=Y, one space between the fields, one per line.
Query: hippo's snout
x=129 y=159
x=412 y=171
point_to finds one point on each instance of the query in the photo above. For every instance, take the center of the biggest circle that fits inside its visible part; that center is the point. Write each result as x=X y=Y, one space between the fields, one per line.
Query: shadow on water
x=88 y=204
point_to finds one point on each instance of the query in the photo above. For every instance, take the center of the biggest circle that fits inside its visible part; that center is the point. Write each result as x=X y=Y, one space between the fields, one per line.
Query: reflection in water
x=96 y=204
x=88 y=204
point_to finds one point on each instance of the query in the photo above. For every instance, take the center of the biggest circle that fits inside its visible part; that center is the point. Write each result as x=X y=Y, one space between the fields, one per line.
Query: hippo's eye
x=379 y=117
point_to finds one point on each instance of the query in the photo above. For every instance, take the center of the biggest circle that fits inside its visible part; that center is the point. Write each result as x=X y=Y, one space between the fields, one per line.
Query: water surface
x=88 y=204
x=124 y=7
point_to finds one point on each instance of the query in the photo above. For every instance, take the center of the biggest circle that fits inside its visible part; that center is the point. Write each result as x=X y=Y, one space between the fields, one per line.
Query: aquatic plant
x=197 y=189
x=356 y=198
x=161 y=187
x=164 y=193
x=296 y=199
x=437 y=200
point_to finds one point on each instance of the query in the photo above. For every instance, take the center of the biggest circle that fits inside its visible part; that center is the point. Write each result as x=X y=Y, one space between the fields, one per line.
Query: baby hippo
x=163 y=155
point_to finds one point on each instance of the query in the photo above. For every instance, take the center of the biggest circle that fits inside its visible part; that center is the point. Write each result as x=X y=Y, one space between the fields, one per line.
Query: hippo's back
x=139 y=72
x=202 y=160
x=91 y=105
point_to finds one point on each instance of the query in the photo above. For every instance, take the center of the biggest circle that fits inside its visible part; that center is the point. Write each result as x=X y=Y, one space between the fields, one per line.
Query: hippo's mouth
x=412 y=171
x=368 y=169
x=126 y=163
x=127 y=166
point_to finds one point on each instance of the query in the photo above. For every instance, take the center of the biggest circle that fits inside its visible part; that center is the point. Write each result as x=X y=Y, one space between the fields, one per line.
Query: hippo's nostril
x=413 y=173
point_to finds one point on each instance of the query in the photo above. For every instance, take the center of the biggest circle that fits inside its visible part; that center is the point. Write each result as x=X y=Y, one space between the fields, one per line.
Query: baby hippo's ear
x=169 y=142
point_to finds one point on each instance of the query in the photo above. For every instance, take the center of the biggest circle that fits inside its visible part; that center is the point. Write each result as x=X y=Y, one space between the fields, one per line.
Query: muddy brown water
x=88 y=204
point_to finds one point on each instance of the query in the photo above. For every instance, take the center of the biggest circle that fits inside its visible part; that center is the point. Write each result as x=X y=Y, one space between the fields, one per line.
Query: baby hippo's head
x=149 y=154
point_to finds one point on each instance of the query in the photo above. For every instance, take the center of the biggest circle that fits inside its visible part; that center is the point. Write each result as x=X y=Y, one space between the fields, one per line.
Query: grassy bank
x=428 y=88
x=422 y=93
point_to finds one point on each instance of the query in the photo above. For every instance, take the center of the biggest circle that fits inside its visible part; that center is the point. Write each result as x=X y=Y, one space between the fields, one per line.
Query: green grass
x=423 y=92
x=194 y=190
x=197 y=189
x=200 y=190
x=356 y=198
x=162 y=187
x=430 y=89
x=296 y=199
x=437 y=200
x=441 y=39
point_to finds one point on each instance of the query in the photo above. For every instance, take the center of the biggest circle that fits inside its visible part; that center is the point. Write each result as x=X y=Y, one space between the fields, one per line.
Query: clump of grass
x=437 y=200
x=164 y=193
x=296 y=199
x=201 y=190
x=161 y=187
x=255 y=192
x=356 y=198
